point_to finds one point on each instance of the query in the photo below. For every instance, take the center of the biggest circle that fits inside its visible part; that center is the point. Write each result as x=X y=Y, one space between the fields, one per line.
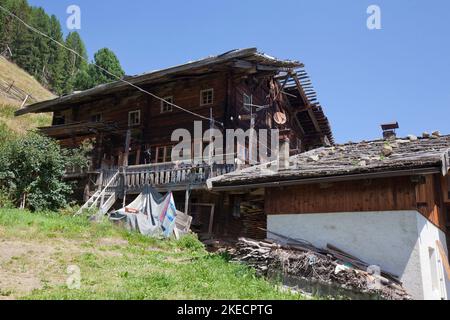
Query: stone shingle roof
x=350 y=159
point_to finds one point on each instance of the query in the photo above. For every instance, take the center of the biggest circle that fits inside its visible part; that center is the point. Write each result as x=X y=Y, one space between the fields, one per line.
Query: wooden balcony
x=163 y=177
x=77 y=129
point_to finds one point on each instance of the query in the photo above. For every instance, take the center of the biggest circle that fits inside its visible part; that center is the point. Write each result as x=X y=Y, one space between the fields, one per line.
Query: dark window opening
x=96 y=118
x=59 y=120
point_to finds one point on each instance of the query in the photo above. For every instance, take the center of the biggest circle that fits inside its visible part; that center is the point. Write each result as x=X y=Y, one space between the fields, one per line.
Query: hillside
x=37 y=249
x=12 y=74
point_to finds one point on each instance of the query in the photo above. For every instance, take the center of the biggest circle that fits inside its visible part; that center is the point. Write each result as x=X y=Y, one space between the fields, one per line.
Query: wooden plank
x=211 y=220
x=349 y=196
x=445 y=183
x=127 y=147
x=306 y=100
x=444 y=258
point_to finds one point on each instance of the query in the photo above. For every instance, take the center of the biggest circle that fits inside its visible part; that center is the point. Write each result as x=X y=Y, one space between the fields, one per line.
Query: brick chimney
x=389 y=130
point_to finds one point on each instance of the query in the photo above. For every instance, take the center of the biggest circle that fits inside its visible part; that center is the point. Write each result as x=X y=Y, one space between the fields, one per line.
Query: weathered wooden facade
x=131 y=122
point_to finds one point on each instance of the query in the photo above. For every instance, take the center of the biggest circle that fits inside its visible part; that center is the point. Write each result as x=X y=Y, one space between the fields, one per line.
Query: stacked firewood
x=316 y=265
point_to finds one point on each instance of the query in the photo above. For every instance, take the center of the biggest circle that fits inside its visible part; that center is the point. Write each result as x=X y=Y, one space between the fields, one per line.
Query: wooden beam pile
x=319 y=265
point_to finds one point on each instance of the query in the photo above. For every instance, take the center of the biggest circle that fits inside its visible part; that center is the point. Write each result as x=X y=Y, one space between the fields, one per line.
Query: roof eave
x=224 y=186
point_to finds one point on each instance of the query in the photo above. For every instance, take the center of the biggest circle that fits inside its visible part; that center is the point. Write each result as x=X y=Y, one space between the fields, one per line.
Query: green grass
x=116 y=264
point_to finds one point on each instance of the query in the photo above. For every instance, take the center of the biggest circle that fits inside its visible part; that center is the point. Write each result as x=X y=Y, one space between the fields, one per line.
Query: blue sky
x=363 y=77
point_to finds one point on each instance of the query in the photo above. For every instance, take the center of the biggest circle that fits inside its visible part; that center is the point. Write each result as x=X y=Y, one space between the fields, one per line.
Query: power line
x=106 y=71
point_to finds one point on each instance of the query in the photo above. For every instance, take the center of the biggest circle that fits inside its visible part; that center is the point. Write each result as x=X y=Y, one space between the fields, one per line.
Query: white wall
x=428 y=235
x=395 y=240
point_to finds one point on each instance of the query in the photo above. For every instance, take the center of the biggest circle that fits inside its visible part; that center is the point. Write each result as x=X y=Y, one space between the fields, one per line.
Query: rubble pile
x=327 y=266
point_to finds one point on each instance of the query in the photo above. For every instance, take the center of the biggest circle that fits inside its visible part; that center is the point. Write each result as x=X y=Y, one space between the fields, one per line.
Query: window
x=165 y=106
x=206 y=97
x=161 y=154
x=134 y=118
x=59 y=120
x=96 y=118
x=168 y=154
x=433 y=269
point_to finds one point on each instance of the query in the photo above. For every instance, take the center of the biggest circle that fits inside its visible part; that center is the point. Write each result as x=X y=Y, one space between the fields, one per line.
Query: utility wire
x=104 y=70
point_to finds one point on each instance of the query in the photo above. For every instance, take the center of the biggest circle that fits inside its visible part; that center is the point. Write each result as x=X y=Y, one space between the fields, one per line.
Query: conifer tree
x=73 y=64
x=106 y=59
x=56 y=57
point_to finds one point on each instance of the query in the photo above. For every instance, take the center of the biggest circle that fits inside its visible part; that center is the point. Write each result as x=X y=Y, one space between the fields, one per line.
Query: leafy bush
x=5 y=133
x=32 y=169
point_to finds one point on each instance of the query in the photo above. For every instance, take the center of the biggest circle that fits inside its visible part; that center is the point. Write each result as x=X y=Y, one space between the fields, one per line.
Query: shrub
x=5 y=133
x=5 y=199
x=32 y=169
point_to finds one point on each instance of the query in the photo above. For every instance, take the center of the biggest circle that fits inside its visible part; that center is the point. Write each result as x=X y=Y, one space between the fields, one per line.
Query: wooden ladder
x=102 y=199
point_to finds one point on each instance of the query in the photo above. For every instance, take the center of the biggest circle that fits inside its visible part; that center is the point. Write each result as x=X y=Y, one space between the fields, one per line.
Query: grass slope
x=37 y=248
x=10 y=73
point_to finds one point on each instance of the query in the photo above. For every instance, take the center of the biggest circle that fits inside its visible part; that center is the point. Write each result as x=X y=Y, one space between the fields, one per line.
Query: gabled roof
x=261 y=61
x=348 y=162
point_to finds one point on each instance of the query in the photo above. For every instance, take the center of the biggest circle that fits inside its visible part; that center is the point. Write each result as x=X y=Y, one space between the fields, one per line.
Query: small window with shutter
x=206 y=97
x=166 y=104
x=134 y=118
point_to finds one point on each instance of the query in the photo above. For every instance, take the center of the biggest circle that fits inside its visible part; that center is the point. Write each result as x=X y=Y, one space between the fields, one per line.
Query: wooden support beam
x=444 y=258
x=445 y=185
x=211 y=220
x=127 y=148
x=186 y=200
x=308 y=105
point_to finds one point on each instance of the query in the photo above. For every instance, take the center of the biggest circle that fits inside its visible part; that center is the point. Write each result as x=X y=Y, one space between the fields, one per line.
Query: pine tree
x=56 y=57
x=16 y=35
x=106 y=59
x=40 y=49
x=2 y=25
x=83 y=80
x=73 y=64
x=6 y=23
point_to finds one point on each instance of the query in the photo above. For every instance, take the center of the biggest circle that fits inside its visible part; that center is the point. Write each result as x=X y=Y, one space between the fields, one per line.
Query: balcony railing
x=165 y=175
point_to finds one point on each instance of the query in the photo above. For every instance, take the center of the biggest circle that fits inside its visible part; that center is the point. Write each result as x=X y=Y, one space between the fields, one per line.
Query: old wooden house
x=131 y=121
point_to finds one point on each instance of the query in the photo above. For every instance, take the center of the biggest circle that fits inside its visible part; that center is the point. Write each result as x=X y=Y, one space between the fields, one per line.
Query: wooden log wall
x=390 y=194
x=251 y=222
x=430 y=200
x=185 y=93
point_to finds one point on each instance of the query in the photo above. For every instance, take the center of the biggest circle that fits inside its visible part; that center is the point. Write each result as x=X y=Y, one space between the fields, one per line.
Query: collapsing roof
x=239 y=57
x=347 y=162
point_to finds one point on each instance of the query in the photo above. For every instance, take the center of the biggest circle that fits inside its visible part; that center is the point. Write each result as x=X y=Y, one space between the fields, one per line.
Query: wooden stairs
x=103 y=199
